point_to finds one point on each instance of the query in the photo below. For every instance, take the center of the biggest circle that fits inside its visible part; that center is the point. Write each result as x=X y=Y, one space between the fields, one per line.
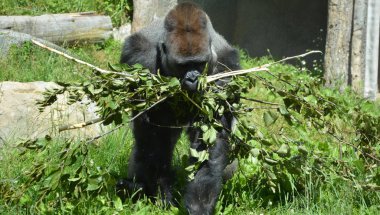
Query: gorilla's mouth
x=190 y=81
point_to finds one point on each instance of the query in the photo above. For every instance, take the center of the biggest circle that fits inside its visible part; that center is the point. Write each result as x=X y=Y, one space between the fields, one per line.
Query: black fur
x=156 y=47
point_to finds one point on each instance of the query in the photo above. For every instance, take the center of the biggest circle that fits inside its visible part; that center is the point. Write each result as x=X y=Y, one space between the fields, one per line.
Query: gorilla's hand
x=190 y=81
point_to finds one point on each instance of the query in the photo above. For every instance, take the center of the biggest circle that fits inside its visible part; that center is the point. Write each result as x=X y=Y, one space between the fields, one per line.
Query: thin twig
x=260 y=108
x=139 y=114
x=277 y=76
x=194 y=103
x=355 y=147
x=93 y=121
x=215 y=77
x=104 y=134
x=79 y=125
x=225 y=66
x=259 y=101
x=103 y=71
x=297 y=56
x=255 y=69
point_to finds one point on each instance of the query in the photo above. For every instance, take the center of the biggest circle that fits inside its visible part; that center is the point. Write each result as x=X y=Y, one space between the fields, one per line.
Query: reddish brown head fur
x=186 y=25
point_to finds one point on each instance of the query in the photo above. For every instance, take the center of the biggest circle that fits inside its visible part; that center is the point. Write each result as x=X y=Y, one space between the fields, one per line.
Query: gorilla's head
x=186 y=47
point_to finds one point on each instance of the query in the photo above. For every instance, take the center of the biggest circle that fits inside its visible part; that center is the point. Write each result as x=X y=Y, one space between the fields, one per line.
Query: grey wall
x=285 y=27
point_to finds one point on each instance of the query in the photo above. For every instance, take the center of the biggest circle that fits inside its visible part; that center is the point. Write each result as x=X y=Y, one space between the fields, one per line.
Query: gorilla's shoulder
x=141 y=47
x=154 y=31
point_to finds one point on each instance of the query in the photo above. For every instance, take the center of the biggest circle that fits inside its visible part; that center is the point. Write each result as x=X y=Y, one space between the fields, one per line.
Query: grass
x=120 y=11
x=32 y=63
x=238 y=197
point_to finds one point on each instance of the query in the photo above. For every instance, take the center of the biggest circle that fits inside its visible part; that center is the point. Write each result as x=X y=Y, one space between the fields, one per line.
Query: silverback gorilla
x=180 y=45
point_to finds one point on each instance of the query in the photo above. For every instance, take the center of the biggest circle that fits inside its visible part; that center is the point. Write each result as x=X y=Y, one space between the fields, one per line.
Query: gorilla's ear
x=138 y=49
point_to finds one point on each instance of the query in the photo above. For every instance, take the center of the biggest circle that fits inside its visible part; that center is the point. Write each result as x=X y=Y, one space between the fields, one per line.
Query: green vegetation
x=31 y=63
x=119 y=10
x=336 y=175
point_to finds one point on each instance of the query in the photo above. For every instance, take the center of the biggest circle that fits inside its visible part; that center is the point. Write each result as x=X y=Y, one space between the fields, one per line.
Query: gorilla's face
x=186 y=49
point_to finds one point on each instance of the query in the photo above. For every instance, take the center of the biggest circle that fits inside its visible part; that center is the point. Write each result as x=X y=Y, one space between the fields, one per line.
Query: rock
x=121 y=33
x=146 y=11
x=20 y=117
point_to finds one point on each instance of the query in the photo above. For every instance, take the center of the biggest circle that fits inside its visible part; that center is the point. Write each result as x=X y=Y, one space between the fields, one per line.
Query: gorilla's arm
x=202 y=193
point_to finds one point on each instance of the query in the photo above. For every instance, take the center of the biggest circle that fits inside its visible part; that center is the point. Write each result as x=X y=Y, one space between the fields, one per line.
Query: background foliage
x=119 y=10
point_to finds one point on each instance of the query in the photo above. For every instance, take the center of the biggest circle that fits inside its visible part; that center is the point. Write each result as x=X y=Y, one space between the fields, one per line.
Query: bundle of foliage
x=290 y=131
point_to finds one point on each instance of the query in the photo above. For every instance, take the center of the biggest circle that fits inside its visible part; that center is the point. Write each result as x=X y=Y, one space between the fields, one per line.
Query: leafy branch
x=289 y=144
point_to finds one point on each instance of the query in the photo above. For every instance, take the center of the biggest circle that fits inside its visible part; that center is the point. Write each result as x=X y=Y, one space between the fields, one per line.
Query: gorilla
x=180 y=45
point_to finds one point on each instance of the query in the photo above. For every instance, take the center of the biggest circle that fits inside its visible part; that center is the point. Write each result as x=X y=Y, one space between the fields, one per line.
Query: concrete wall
x=284 y=27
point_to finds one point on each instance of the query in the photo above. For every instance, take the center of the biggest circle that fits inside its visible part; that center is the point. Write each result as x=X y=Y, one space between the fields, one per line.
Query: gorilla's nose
x=190 y=81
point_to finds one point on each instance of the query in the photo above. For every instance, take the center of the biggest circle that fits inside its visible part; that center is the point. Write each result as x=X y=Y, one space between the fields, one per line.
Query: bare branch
x=126 y=75
x=215 y=77
x=210 y=78
x=297 y=56
x=93 y=121
x=79 y=125
x=256 y=69
x=103 y=71
x=259 y=101
x=104 y=134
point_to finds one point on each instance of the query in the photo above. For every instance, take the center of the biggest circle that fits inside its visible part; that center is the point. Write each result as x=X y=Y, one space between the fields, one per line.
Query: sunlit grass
x=31 y=63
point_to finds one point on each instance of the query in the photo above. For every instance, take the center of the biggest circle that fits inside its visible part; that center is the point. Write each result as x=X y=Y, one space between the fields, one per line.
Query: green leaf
x=283 y=151
x=141 y=105
x=282 y=109
x=92 y=187
x=200 y=155
x=54 y=179
x=74 y=179
x=311 y=99
x=25 y=199
x=190 y=168
x=209 y=136
x=255 y=152
x=302 y=149
x=91 y=88
x=270 y=118
x=203 y=155
x=174 y=82
x=118 y=204
x=222 y=95
x=270 y=161
x=112 y=104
